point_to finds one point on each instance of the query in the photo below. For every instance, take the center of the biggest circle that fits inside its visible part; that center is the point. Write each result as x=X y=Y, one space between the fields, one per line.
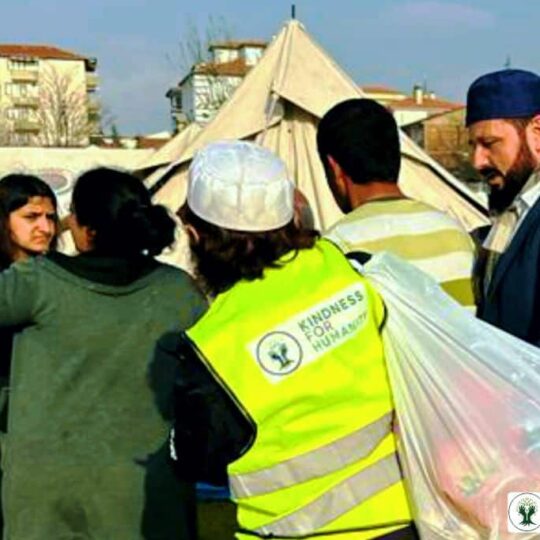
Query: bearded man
x=503 y=117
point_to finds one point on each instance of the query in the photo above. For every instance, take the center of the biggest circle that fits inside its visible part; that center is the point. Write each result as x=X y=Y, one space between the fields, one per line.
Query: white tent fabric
x=60 y=166
x=279 y=104
x=169 y=152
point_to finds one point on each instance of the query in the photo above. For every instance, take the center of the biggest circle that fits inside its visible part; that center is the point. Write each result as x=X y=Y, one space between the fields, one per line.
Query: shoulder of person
x=174 y=273
x=178 y=279
x=28 y=268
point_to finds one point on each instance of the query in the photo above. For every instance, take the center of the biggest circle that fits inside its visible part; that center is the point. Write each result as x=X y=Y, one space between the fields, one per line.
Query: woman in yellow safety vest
x=283 y=381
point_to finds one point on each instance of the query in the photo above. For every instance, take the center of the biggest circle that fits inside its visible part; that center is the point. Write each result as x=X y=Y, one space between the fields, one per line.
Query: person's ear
x=90 y=235
x=88 y=238
x=533 y=136
x=193 y=235
x=338 y=173
x=83 y=236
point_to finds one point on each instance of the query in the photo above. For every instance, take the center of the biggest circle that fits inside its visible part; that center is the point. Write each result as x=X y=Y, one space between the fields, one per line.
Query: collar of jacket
x=116 y=271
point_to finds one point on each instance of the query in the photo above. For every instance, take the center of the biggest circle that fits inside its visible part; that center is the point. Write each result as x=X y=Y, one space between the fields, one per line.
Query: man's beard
x=500 y=198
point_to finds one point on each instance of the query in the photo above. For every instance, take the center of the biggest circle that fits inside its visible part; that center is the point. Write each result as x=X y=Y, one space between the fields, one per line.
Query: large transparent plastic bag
x=467 y=397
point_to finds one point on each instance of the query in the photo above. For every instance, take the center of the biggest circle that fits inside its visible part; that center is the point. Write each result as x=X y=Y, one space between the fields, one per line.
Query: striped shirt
x=416 y=232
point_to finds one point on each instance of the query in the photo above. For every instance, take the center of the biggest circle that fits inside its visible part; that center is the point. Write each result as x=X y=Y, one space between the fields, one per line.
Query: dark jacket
x=512 y=302
x=84 y=456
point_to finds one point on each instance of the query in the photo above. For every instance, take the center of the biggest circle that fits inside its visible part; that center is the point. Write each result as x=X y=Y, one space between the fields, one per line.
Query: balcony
x=26 y=126
x=24 y=75
x=26 y=101
x=94 y=107
x=92 y=81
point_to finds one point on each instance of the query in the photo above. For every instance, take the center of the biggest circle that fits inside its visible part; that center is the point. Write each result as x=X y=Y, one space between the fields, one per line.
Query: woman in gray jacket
x=83 y=458
x=28 y=227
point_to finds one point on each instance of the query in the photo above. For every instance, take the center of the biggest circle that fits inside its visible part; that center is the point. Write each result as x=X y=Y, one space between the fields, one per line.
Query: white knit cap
x=241 y=186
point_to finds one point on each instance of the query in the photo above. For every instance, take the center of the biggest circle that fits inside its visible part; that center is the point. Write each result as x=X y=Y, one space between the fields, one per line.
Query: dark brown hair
x=223 y=257
x=519 y=123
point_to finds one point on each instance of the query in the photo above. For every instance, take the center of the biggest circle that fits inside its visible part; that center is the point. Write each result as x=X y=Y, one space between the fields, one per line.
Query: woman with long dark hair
x=84 y=457
x=28 y=227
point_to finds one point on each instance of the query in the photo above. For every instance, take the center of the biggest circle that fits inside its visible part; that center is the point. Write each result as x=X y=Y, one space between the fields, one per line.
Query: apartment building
x=47 y=96
x=198 y=96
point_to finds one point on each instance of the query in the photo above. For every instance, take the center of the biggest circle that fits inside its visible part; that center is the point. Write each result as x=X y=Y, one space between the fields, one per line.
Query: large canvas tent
x=170 y=152
x=278 y=105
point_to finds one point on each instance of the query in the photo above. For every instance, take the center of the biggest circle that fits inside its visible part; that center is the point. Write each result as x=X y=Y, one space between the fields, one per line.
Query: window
x=175 y=95
x=178 y=100
x=19 y=113
x=23 y=139
x=21 y=89
x=25 y=64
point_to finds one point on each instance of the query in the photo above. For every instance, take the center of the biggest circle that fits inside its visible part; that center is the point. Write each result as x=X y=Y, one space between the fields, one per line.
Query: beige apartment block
x=208 y=85
x=47 y=97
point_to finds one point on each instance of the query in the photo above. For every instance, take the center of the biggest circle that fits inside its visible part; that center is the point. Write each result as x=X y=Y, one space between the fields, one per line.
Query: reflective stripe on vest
x=321 y=461
x=338 y=500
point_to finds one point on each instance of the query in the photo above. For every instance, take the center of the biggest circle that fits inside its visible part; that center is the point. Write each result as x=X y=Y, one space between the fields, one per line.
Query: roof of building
x=234 y=68
x=237 y=44
x=426 y=103
x=140 y=142
x=38 y=51
x=379 y=89
x=151 y=142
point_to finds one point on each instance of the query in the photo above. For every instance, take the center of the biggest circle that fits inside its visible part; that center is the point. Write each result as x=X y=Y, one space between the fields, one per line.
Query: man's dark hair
x=362 y=137
x=223 y=257
x=520 y=124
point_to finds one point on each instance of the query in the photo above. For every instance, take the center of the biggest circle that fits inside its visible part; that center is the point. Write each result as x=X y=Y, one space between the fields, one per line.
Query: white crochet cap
x=241 y=186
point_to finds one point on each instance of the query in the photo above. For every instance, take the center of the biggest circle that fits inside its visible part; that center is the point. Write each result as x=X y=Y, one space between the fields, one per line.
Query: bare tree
x=107 y=119
x=63 y=109
x=194 y=46
x=194 y=57
x=7 y=135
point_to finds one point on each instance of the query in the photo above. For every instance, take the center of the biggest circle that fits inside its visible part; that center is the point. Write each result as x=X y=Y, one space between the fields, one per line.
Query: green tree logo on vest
x=523 y=511
x=527 y=509
x=279 y=353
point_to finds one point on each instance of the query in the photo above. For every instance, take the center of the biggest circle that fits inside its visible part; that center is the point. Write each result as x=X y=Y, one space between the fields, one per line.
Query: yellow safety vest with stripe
x=300 y=352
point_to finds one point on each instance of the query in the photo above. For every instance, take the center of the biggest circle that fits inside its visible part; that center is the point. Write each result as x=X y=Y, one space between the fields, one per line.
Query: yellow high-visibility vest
x=301 y=354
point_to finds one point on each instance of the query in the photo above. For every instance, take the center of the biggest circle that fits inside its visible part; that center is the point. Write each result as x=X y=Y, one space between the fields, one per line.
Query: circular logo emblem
x=279 y=353
x=524 y=512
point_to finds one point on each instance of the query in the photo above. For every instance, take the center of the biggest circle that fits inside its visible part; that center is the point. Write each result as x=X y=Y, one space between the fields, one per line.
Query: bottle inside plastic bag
x=467 y=399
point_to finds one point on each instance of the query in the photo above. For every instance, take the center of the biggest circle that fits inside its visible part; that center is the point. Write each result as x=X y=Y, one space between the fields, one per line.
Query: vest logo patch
x=279 y=353
x=308 y=335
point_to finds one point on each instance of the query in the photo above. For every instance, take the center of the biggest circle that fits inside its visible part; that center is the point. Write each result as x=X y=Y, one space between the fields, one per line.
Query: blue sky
x=390 y=42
